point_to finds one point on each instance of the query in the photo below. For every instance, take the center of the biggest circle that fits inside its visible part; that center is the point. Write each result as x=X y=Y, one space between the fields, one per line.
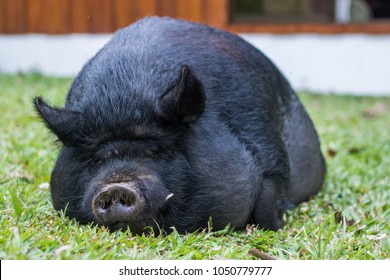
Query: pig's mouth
x=134 y=228
x=118 y=226
x=146 y=225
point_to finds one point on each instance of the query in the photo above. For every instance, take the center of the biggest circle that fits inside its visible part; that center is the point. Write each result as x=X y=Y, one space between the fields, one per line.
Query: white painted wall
x=51 y=55
x=352 y=64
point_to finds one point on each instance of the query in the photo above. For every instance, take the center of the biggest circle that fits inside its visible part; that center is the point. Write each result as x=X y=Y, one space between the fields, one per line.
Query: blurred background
x=326 y=46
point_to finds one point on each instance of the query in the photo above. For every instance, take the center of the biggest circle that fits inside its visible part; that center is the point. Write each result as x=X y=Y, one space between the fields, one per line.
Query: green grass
x=348 y=219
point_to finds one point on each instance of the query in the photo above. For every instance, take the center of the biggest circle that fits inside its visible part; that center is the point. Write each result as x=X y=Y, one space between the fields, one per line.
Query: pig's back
x=147 y=57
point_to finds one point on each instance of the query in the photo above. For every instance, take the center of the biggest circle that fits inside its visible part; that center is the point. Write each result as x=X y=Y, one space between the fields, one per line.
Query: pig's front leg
x=270 y=205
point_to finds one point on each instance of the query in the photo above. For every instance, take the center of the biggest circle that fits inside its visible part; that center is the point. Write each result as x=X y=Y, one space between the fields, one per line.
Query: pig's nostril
x=125 y=202
x=117 y=203
x=106 y=204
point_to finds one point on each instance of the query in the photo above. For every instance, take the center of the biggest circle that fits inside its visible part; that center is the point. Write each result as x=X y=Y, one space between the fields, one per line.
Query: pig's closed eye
x=102 y=156
x=152 y=153
x=99 y=161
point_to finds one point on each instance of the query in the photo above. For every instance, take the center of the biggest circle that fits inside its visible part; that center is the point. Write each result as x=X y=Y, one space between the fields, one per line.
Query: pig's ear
x=185 y=102
x=63 y=123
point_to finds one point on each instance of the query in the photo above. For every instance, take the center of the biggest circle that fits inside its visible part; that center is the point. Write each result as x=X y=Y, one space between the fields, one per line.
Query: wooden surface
x=105 y=16
x=55 y=20
x=14 y=16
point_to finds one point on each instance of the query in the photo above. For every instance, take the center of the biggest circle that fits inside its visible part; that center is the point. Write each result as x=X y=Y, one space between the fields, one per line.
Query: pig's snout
x=117 y=203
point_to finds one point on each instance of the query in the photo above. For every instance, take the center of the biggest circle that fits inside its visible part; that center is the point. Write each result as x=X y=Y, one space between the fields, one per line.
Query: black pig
x=173 y=123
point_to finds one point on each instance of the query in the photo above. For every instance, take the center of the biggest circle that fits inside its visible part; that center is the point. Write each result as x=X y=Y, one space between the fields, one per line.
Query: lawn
x=348 y=219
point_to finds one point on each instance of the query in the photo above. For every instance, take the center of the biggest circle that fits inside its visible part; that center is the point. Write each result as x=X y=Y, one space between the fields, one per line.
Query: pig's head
x=123 y=160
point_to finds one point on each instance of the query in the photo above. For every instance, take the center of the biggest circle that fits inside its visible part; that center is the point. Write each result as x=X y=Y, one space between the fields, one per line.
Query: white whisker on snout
x=168 y=196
